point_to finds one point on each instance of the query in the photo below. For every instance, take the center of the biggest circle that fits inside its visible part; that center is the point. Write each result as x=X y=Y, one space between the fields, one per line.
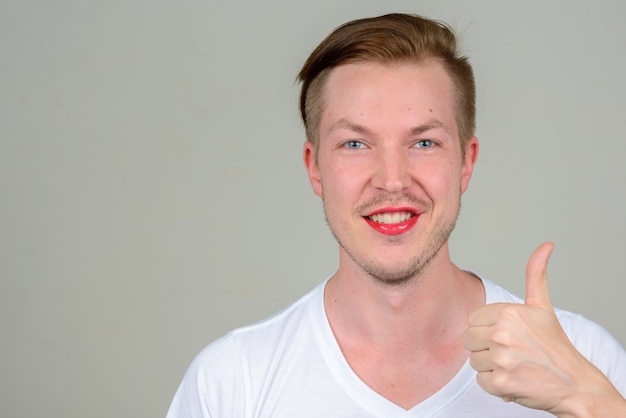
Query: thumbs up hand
x=522 y=354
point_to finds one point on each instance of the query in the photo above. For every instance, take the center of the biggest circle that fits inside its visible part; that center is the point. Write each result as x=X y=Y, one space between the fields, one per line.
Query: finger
x=497 y=383
x=537 y=277
x=482 y=361
x=485 y=381
x=476 y=338
x=486 y=315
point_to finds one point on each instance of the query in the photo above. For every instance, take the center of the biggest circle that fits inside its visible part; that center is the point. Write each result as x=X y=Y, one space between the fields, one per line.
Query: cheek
x=440 y=179
x=341 y=190
x=337 y=177
x=332 y=189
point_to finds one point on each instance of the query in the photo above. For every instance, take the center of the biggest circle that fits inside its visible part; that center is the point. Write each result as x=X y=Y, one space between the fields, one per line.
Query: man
x=397 y=331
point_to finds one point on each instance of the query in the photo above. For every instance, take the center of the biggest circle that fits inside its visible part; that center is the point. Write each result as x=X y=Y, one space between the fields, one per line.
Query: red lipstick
x=382 y=220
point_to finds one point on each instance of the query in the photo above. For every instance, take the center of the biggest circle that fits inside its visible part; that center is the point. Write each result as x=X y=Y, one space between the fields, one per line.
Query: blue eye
x=425 y=143
x=353 y=145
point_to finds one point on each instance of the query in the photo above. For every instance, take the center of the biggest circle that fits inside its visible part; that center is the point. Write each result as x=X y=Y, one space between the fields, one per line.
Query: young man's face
x=390 y=168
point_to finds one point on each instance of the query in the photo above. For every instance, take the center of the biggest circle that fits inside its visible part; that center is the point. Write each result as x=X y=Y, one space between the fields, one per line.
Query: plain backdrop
x=152 y=194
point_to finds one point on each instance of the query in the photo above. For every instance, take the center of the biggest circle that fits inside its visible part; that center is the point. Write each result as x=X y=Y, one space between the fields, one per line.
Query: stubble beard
x=401 y=275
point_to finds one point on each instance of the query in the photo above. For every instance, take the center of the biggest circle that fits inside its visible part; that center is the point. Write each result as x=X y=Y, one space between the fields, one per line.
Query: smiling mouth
x=392 y=222
x=390 y=218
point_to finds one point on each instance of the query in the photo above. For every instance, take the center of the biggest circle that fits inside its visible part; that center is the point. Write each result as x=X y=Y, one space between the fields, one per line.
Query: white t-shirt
x=290 y=365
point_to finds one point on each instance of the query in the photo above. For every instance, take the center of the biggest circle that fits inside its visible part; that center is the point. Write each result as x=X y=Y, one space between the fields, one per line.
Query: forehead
x=385 y=96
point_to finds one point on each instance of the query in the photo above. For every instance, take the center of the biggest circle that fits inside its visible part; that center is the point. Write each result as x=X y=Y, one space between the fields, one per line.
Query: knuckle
x=503 y=336
x=504 y=360
x=501 y=383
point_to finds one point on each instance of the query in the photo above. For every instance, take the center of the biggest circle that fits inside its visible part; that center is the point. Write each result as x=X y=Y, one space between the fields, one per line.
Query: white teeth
x=391 y=218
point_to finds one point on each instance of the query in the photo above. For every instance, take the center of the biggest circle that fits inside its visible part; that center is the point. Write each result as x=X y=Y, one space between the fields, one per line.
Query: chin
x=397 y=274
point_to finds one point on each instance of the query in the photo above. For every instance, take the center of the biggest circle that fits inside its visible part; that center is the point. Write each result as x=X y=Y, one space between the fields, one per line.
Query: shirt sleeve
x=212 y=386
x=598 y=346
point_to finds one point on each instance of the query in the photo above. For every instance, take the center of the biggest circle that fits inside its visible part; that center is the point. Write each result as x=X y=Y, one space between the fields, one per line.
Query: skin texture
x=405 y=317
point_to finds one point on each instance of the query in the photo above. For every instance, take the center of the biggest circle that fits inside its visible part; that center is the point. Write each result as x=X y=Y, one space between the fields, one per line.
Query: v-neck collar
x=366 y=397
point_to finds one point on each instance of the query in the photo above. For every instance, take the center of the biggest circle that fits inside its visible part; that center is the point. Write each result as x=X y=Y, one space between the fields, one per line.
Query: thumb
x=537 y=277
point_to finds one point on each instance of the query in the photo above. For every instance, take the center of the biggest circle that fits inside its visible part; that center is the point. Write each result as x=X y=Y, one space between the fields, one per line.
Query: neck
x=430 y=309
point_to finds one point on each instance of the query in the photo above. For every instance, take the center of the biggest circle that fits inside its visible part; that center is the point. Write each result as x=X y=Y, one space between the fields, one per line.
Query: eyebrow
x=360 y=129
x=345 y=124
x=428 y=126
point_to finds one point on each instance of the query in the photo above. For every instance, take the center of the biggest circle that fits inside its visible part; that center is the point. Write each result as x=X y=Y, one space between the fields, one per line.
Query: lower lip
x=393 y=229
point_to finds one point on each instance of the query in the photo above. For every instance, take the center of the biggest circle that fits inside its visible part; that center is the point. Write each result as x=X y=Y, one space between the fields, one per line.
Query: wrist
x=598 y=398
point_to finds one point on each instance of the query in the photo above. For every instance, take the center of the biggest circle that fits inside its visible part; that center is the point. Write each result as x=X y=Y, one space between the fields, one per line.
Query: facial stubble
x=402 y=275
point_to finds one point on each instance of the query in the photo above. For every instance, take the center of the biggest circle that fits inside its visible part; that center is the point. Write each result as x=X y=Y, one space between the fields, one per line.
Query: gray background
x=153 y=195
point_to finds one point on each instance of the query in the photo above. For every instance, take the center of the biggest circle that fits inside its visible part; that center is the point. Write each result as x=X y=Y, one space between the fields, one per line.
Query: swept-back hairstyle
x=388 y=39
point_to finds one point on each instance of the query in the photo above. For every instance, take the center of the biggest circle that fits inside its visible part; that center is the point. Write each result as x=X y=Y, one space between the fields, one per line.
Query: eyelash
x=353 y=142
x=430 y=142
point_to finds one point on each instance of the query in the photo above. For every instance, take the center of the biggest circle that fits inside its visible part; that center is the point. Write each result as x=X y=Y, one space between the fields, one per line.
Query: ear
x=471 y=155
x=310 y=163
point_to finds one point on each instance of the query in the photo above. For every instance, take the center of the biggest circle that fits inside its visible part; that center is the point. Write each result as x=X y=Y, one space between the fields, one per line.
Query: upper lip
x=393 y=210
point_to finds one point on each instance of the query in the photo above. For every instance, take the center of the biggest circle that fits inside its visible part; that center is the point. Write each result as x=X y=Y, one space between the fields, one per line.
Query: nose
x=391 y=170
